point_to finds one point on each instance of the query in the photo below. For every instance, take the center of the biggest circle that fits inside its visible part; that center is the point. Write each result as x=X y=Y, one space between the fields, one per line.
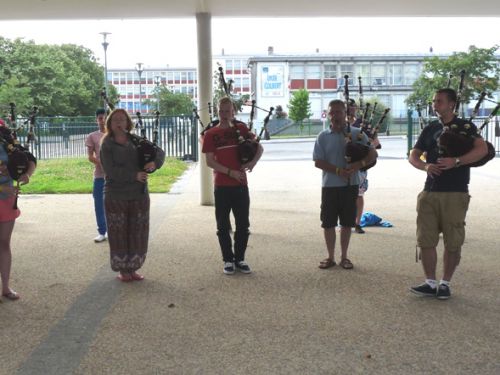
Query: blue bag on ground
x=370 y=219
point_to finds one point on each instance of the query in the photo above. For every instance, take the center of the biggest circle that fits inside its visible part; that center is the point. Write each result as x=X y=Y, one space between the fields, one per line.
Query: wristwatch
x=457 y=162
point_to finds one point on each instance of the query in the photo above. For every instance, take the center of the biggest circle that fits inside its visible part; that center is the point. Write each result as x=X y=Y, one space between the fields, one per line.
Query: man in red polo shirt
x=220 y=144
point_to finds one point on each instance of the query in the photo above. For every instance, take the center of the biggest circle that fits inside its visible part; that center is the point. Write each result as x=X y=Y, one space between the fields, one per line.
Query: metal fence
x=491 y=132
x=60 y=137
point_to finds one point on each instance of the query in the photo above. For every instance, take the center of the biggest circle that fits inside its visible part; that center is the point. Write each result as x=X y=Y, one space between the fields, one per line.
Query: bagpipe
x=147 y=151
x=356 y=149
x=18 y=157
x=248 y=143
x=457 y=139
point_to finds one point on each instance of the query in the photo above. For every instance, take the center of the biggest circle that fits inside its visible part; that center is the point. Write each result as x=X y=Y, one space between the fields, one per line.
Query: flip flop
x=326 y=263
x=137 y=277
x=11 y=295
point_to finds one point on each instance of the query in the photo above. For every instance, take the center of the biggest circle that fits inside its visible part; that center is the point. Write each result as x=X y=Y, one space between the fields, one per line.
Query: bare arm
x=91 y=156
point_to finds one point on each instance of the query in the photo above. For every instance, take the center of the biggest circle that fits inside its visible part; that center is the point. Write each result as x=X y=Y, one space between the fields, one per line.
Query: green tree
x=482 y=73
x=171 y=104
x=299 y=107
x=379 y=111
x=60 y=80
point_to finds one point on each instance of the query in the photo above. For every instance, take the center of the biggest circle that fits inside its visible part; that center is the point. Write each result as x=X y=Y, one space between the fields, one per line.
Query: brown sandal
x=346 y=264
x=326 y=263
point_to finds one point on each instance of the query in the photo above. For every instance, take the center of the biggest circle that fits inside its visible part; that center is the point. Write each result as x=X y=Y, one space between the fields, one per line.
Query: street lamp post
x=105 y=45
x=139 y=69
x=157 y=83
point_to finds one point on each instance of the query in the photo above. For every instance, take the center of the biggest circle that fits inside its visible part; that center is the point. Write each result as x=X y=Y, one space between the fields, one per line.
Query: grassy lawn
x=75 y=175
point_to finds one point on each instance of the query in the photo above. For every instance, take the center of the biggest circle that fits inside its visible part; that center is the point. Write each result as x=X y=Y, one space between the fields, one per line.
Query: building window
x=246 y=84
x=313 y=72
x=346 y=69
x=363 y=71
x=237 y=64
x=229 y=64
x=297 y=72
x=329 y=71
x=411 y=72
x=395 y=74
x=378 y=75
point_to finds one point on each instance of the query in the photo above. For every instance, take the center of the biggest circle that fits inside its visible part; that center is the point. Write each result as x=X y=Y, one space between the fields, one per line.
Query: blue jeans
x=98 y=194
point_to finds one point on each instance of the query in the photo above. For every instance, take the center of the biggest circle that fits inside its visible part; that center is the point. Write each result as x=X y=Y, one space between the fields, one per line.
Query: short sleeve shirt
x=223 y=143
x=330 y=147
x=93 y=143
x=450 y=180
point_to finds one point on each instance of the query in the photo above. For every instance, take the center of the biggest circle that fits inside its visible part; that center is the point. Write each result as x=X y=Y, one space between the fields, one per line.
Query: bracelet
x=337 y=171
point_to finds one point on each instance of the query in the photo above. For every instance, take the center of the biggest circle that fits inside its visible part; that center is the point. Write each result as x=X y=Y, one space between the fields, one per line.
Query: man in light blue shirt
x=340 y=181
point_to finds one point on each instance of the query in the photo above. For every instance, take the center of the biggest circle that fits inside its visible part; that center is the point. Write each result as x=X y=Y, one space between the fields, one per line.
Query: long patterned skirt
x=128 y=233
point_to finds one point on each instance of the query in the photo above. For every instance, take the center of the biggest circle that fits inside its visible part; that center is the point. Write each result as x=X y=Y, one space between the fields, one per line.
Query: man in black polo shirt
x=443 y=204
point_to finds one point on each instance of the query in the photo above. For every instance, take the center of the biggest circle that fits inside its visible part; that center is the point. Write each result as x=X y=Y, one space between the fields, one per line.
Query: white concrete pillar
x=204 y=32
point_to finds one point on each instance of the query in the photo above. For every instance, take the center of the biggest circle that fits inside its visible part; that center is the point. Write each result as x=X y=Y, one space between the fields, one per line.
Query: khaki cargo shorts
x=441 y=212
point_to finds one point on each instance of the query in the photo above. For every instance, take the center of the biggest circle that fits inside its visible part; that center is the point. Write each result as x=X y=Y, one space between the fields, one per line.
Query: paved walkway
x=288 y=317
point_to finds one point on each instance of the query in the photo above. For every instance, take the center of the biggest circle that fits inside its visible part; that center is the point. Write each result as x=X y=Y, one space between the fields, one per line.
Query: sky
x=161 y=42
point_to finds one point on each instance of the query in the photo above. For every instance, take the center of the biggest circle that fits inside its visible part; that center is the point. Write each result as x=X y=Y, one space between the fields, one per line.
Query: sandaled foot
x=326 y=263
x=125 y=278
x=346 y=264
x=11 y=295
x=137 y=277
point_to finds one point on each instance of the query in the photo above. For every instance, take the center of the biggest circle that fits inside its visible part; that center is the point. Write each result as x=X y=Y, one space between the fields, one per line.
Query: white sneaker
x=101 y=238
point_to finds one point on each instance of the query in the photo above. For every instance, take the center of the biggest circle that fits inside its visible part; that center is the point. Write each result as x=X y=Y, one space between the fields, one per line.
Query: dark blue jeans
x=236 y=199
x=98 y=194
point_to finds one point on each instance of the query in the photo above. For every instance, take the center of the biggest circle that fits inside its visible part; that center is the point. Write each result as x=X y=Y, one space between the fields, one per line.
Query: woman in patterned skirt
x=126 y=197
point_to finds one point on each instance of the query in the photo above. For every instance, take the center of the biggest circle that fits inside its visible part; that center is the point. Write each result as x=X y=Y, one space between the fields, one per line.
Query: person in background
x=93 y=143
x=363 y=175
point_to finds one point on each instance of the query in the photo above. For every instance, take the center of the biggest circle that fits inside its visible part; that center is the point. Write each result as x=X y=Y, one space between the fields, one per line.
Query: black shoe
x=443 y=292
x=228 y=268
x=424 y=290
x=243 y=267
x=358 y=229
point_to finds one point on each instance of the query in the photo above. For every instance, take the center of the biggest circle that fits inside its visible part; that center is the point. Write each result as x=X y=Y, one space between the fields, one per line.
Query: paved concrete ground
x=288 y=317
